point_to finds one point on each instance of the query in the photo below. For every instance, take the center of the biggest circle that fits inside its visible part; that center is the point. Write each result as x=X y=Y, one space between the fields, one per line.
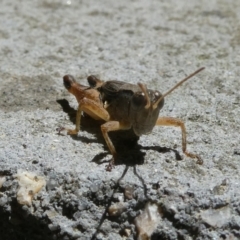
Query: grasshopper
x=124 y=106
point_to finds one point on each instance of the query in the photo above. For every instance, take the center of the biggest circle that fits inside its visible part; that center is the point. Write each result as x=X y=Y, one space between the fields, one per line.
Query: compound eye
x=139 y=100
x=157 y=95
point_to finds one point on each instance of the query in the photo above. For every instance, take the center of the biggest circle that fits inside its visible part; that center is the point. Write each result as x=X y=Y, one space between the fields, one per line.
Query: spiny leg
x=174 y=122
x=93 y=109
x=77 y=124
x=109 y=127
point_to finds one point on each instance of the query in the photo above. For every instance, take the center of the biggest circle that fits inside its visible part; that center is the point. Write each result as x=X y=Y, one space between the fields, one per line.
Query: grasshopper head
x=144 y=109
x=146 y=104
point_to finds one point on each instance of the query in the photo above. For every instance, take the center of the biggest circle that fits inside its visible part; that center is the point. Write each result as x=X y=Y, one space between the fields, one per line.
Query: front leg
x=174 y=122
x=93 y=109
x=109 y=127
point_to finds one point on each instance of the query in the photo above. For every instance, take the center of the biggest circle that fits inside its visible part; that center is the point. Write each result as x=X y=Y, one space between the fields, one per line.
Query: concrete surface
x=157 y=43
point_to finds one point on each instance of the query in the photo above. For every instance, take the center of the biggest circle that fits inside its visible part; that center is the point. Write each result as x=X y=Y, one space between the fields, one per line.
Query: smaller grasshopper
x=124 y=106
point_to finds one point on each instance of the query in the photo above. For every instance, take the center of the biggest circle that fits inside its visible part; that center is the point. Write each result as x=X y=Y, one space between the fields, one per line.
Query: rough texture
x=157 y=43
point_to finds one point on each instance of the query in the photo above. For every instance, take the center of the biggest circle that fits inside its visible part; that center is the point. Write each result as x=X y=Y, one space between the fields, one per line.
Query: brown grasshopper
x=124 y=106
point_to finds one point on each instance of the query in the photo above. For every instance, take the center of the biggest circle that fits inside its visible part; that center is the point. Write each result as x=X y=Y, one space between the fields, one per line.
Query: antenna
x=177 y=85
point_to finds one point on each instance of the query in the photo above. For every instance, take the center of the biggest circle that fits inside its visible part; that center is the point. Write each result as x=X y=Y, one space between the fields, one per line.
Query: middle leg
x=109 y=127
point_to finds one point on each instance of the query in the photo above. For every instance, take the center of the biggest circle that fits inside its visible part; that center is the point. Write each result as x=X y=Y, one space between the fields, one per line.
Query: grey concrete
x=157 y=43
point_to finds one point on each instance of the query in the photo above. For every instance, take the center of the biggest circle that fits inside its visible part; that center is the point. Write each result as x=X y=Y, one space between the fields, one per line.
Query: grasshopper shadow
x=129 y=151
x=126 y=142
x=117 y=188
